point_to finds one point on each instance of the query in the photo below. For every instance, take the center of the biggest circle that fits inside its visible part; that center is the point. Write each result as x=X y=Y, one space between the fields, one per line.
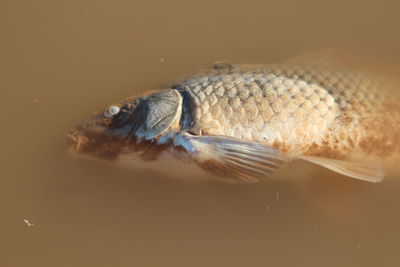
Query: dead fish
x=243 y=122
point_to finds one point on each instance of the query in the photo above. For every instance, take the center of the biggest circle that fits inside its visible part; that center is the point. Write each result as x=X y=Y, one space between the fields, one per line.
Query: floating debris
x=277 y=195
x=220 y=65
x=35 y=101
x=28 y=223
x=162 y=60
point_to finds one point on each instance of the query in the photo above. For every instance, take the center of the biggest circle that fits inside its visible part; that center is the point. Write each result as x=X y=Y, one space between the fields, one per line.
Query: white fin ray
x=363 y=170
x=232 y=159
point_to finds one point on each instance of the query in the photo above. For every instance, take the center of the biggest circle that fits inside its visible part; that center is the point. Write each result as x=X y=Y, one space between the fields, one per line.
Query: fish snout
x=77 y=140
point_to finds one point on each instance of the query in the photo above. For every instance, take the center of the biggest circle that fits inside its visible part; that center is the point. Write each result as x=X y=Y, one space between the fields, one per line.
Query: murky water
x=60 y=61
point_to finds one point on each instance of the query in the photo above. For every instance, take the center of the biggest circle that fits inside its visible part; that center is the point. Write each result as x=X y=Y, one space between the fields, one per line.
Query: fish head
x=105 y=133
x=132 y=126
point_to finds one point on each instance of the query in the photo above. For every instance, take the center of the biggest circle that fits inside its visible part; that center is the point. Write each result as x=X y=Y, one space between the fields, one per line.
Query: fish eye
x=111 y=111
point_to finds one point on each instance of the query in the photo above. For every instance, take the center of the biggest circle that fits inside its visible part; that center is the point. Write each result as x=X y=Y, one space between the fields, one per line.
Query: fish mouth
x=78 y=140
x=94 y=142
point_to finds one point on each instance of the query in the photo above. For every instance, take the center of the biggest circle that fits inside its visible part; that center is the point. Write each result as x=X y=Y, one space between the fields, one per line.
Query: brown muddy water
x=62 y=60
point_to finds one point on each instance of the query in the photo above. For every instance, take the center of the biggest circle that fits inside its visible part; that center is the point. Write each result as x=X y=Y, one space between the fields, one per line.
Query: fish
x=243 y=122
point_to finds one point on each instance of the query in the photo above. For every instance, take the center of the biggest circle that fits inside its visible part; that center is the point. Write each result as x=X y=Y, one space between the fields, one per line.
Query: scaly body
x=298 y=109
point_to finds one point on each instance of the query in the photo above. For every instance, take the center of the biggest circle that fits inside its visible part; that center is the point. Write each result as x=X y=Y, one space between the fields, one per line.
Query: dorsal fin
x=327 y=57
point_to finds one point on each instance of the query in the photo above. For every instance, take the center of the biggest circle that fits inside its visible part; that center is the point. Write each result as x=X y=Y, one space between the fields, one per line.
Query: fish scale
x=294 y=108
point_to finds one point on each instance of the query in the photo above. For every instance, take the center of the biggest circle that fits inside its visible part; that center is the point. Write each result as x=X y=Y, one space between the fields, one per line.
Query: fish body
x=299 y=110
x=243 y=122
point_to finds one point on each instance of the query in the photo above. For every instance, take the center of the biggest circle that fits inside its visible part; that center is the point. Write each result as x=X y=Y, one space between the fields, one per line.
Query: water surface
x=63 y=60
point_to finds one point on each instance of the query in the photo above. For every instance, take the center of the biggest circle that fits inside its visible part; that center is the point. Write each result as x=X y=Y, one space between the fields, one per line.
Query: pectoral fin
x=363 y=170
x=232 y=159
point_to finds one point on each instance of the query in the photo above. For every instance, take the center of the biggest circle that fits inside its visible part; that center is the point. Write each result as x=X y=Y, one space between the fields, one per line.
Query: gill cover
x=157 y=114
